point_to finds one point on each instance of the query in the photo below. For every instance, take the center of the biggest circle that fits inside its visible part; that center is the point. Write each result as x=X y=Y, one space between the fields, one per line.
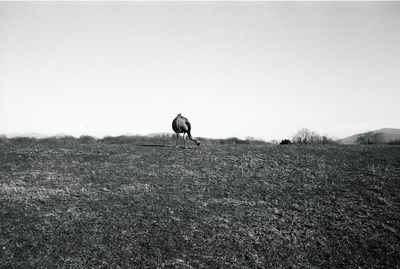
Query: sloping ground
x=228 y=206
x=388 y=135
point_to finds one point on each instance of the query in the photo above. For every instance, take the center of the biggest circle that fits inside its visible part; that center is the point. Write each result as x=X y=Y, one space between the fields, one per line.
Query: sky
x=234 y=69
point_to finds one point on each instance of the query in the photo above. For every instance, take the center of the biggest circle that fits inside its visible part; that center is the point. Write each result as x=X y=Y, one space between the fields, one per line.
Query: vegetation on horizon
x=302 y=136
x=162 y=139
x=370 y=138
x=306 y=136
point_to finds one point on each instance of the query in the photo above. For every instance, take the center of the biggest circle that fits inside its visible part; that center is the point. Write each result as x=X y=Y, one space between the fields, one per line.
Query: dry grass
x=100 y=205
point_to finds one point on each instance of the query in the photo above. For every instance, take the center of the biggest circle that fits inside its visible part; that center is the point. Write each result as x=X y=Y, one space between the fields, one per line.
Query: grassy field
x=244 y=206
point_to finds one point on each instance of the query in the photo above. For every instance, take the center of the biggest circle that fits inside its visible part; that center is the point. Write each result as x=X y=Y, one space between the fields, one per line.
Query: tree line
x=306 y=136
x=302 y=136
x=162 y=139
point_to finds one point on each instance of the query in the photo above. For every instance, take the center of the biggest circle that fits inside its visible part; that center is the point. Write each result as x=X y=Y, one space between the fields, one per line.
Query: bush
x=285 y=142
x=255 y=141
x=63 y=140
x=3 y=139
x=394 y=142
x=305 y=136
x=86 y=139
x=370 y=138
x=327 y=140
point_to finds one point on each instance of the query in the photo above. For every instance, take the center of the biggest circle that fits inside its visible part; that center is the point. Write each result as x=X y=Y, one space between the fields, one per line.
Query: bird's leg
x=177 y=136
x=184 y=138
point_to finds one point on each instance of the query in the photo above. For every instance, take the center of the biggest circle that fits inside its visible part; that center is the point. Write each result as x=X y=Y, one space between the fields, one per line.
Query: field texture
x=111 y=206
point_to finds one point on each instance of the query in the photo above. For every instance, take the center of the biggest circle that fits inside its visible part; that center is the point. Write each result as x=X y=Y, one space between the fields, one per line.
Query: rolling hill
x=388 y=134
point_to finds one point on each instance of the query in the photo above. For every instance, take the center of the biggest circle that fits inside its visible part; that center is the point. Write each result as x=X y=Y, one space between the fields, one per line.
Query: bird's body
x=181 y=125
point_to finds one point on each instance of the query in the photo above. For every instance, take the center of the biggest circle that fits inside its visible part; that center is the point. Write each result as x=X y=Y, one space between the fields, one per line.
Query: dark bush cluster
x=285 y=142
x=370 y=138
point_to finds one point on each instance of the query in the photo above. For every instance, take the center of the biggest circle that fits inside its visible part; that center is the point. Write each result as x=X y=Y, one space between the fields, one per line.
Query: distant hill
x=34 y=135
x=388 y=134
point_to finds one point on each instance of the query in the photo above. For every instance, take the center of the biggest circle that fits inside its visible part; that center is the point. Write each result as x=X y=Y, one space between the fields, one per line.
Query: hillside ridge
x=388 y=134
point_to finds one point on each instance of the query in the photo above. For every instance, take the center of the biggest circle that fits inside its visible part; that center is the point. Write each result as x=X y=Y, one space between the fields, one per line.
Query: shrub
x=327 y=140
x=3 y=139
x=305 y=136
x=62 y=140
x=255 y=141
x=394 y=142
x=86 y=139
x=285 y=142
x=370 y=138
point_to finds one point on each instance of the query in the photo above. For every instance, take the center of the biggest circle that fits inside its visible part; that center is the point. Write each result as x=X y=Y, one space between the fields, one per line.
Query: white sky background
x=261 y=69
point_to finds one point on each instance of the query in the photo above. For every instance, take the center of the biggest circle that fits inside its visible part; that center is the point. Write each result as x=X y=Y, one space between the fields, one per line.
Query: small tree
x=305 y=136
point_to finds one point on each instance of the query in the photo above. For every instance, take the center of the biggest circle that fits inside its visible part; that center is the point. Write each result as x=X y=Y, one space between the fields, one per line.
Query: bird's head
x=197 y=142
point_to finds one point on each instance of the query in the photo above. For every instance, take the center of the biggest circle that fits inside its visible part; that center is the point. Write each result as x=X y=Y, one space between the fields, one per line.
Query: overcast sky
x=261 y=69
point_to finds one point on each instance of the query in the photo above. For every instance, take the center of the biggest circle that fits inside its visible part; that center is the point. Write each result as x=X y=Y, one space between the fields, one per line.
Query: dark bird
x=181 y=125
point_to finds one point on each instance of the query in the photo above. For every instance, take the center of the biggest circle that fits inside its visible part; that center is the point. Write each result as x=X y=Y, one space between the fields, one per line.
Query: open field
x=109 y=206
